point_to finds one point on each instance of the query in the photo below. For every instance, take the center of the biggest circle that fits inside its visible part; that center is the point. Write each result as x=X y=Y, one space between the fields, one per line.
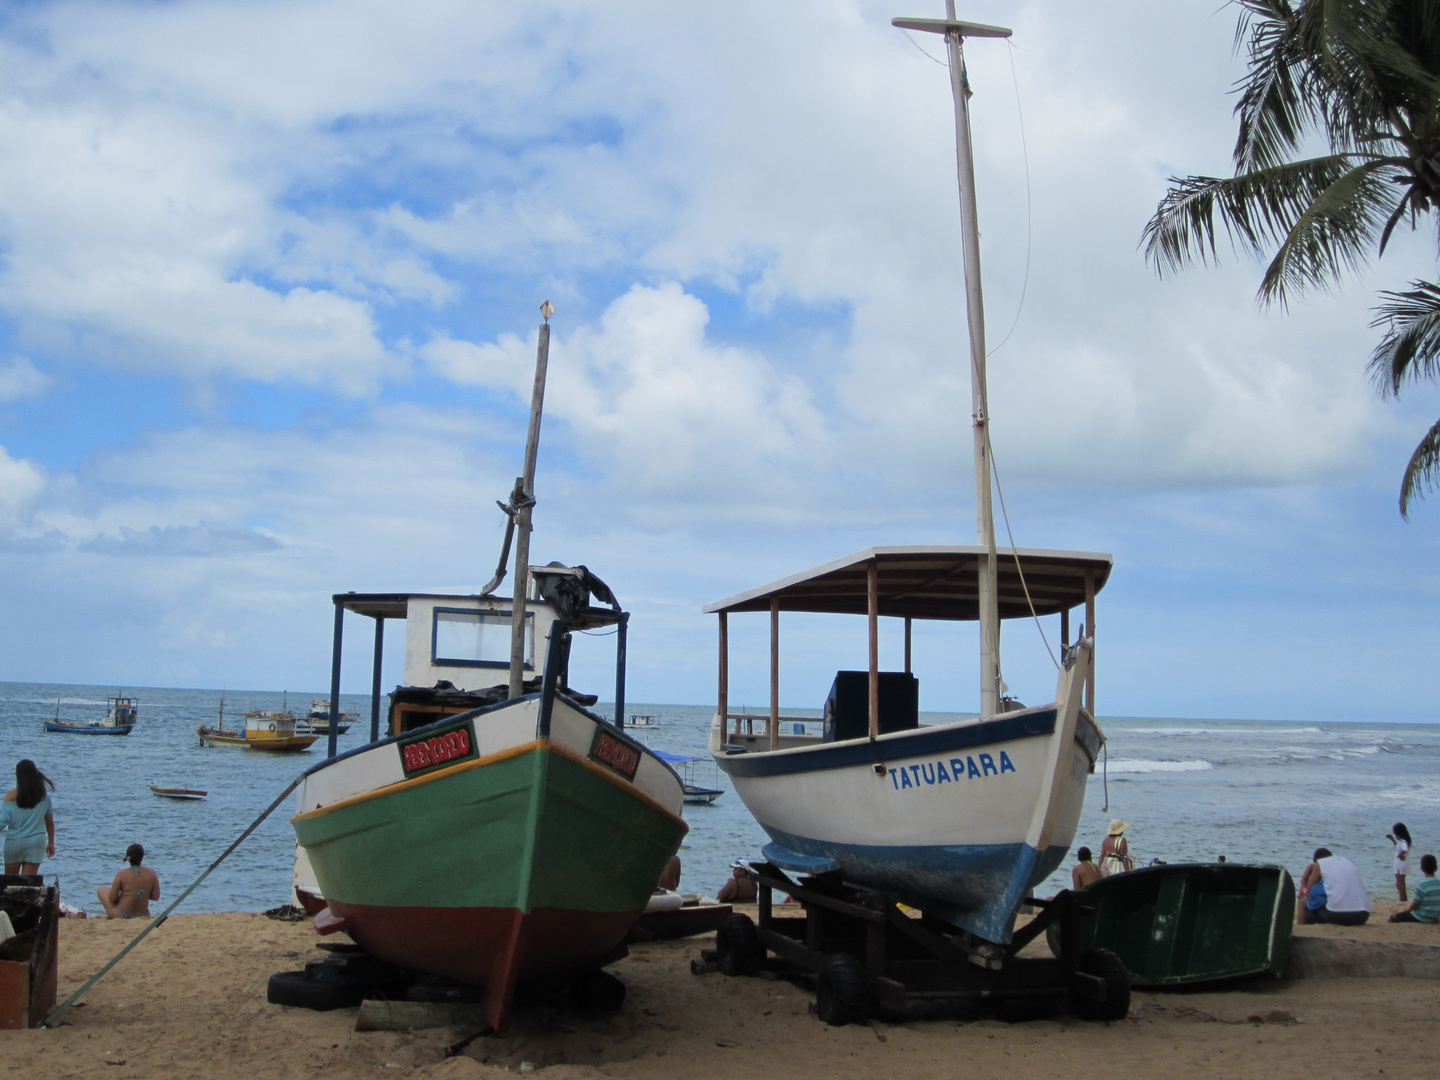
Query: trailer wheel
x=297 y=989
x=737 y=946
x=843 y=991
x=1104 y=964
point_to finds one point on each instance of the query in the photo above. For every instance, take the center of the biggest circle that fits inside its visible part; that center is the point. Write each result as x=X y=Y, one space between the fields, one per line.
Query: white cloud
x=20 y=378
x=21 y=484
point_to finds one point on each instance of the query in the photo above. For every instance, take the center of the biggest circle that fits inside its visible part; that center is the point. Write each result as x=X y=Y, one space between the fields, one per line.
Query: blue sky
x=270 y=275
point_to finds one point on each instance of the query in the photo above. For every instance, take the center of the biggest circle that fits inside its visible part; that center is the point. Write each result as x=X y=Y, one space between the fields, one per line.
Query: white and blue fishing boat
x=962 y=819
x=119 y=719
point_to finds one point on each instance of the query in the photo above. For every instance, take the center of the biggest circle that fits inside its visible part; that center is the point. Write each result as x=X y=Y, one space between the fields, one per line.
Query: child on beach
x=1426 y=906
x=1085 y=872
x=28 y=820
x=1401 y=839
x=129 y=895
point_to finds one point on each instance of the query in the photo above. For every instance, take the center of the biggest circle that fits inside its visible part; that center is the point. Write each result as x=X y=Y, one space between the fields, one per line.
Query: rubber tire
x=294 y=988
x=844 y=993
x=737 y=946
x=602 y=992
x=1111 y=968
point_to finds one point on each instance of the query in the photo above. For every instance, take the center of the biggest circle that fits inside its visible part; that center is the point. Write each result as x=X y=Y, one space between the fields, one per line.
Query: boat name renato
x=964 y=768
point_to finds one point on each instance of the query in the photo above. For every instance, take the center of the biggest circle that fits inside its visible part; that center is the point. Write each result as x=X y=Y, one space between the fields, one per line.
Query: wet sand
x=190 y=1002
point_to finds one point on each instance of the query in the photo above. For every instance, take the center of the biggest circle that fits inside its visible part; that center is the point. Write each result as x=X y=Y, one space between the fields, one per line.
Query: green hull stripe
x=466 y=840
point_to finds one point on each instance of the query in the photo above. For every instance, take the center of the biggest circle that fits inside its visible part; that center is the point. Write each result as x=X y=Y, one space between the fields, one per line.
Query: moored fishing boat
x=317 y=718
x=119 y=719
x=1191 y=924
x=496 y=833
x=961 y=819
x=177 y=793
x=268 y=731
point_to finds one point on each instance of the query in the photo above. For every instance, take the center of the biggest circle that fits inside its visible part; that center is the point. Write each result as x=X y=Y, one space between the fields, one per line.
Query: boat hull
x=961 y=820
x=531 y=858
x=1191 y=924
x=62 y=727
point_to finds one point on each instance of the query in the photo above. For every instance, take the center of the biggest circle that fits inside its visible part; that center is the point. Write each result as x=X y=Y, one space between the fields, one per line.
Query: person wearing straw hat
x=1115 y=857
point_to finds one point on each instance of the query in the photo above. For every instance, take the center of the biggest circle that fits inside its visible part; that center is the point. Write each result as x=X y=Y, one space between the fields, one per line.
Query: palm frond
x=1410 y=349
x=1422 y=475
x=1273 y=113
x=1333 y=233
x=1257 y=209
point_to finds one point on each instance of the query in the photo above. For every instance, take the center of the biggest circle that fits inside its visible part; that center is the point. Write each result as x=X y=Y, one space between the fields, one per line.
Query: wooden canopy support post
x=375 y=680
x=1065 y=628
x=908 y=622
x=1090 y=628
x=775 y=673
x=723 y=706
x=872 y=590
x=331 y=748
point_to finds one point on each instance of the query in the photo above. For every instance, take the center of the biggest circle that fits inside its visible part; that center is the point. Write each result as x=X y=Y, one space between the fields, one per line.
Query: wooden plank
x=775 y=674
x=872 y=589
x=723 y=707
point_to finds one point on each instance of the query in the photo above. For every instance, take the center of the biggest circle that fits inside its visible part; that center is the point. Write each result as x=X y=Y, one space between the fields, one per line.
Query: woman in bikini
x=129 y=895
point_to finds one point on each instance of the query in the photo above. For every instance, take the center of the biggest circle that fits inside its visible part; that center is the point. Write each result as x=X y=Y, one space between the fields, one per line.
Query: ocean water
x=1191 y=790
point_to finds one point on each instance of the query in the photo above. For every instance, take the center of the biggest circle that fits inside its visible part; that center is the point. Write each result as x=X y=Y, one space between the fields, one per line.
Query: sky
x=270 y=279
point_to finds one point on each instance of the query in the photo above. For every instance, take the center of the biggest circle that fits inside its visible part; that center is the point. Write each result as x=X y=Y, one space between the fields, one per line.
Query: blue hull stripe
x=917 y=743
x=976 y=887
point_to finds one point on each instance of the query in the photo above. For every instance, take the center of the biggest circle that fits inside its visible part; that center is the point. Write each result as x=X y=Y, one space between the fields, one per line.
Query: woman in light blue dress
x=28 y=820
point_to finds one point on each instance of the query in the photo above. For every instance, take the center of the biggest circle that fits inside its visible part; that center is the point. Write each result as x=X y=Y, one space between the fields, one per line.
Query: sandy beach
x=190 y=1002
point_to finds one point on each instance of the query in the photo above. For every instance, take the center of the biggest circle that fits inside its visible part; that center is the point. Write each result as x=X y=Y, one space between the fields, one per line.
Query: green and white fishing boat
x=497 y=832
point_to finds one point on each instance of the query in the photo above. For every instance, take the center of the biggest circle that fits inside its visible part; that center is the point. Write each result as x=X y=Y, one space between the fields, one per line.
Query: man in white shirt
x=1332 y=891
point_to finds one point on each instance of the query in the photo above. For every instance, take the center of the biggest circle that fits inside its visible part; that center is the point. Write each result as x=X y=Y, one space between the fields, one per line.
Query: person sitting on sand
x=1085 y=871
x=129 y=895
x=670 y=876
x=1332 y=892
x=741 y=888
x=1426 y=905
x=1115 y=857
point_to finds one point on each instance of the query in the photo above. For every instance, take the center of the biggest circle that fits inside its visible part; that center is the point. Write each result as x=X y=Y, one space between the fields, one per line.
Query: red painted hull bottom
x=490 y=947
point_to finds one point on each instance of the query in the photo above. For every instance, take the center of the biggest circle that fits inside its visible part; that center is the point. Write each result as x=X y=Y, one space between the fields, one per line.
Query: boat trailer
x=868 y=957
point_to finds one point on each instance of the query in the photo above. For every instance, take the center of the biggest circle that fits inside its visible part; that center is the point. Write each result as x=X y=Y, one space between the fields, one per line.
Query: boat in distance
x=1192 y=924
x=119 y=719
x=317 y=719
x=182 y=794
x=269 y=732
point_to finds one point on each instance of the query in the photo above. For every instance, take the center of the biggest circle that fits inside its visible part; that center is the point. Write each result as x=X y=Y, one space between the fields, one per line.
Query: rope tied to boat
x=54 y=1016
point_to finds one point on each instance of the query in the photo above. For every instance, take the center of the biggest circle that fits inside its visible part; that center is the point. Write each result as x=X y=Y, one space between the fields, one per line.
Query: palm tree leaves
x=1323 y=213
x=1364 y=75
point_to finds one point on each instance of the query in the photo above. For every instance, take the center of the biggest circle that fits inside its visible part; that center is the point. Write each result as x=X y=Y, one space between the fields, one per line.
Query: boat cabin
x=269 y=725
x=457 y=647
x=121 y=711
x=901 y=584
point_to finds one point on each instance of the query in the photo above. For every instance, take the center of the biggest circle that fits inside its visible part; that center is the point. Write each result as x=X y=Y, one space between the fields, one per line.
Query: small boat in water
x=119 y=719
x=269 y=731
x=317 y=720
x=1190 y=924
x=177 y=792
x=695 y=793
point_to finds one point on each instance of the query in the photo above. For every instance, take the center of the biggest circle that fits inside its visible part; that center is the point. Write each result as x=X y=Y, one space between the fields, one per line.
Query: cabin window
x=465 y=637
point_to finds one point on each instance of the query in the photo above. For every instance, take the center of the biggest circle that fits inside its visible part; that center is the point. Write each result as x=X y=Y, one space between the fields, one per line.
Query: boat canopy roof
x=932 y=582
x=673 y=759
x=397 y=605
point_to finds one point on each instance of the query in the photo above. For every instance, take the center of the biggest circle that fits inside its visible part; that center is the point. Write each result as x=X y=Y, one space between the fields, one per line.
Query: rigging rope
x=59 y=1010
x=1014 y=550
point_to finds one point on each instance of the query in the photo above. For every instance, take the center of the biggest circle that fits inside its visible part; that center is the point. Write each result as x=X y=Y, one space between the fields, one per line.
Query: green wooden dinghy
x=1188 y=924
